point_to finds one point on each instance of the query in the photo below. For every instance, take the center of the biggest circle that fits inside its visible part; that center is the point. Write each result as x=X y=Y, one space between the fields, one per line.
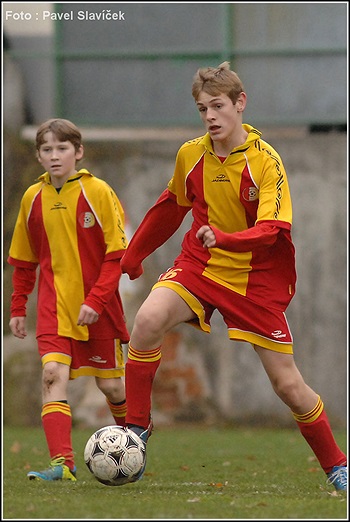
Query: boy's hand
x=207 y=236
x=87 y=316
x=18 y=327
x=133 y=271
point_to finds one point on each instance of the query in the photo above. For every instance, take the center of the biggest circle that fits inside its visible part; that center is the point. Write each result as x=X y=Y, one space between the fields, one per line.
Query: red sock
x=140 y=370
x=315 y=428
x=57 y=423
x=118 y=411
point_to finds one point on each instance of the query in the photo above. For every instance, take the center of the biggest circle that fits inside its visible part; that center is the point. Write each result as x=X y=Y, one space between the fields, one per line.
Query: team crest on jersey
x=86 y=219
x=250 y=194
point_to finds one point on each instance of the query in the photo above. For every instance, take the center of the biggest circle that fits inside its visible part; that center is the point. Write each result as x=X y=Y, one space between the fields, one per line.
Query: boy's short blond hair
x=217 y=80
x=64 y=130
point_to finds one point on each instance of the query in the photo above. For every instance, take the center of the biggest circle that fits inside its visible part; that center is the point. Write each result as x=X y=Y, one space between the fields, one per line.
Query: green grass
x=192 y=472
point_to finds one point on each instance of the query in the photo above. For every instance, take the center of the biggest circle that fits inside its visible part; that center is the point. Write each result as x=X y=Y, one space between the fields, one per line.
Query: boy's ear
x=241 y=102
x=79 y=153
x=38 y=156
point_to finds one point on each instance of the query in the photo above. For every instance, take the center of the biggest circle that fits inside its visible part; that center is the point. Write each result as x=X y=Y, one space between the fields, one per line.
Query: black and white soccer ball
x=115 y=455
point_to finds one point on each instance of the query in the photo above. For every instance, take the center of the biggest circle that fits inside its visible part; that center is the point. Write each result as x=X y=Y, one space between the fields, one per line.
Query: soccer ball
x=115 y=455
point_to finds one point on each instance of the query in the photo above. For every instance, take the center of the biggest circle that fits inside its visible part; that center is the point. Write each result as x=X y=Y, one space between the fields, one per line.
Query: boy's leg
x=163 y=309
x=56 y=412
x=140 y=370
x=316 y=429
x=112 y=387
x=57 y=424
x=118 y=411
x=313 y=424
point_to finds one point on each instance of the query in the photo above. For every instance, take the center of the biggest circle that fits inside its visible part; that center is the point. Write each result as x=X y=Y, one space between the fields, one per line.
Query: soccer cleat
x=338 y=477
x=57 y=471
x=144 y=435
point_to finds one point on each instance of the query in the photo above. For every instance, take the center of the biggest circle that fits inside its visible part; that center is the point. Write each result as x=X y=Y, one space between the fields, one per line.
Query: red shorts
x=96 y=357
x=245 y=319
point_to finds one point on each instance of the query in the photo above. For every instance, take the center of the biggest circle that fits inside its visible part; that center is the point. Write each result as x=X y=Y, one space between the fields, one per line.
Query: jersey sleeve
x=21 y=247
x=274 y=194
x=263 y=234
x=111 y=214
x=23 y=282
x=159 y=224
x=106 y=285
x=186 y=160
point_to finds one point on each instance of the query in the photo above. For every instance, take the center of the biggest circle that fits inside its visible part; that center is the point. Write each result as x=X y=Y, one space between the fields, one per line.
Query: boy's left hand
x=207 y=236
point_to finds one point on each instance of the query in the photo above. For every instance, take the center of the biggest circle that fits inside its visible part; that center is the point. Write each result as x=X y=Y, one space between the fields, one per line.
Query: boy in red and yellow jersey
x=71 y=226
x=237 y=257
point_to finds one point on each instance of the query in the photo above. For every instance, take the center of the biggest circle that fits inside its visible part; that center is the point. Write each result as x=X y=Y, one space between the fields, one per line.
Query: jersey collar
x=46 y=176
x=253 y=135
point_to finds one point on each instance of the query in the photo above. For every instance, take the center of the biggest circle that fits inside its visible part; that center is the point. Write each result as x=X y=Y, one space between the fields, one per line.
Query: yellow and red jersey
x=249 y=187
x=241 y=196
x=77 y=238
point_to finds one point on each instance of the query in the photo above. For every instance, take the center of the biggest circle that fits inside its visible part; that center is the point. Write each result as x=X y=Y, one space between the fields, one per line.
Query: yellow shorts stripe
x=56 y=357
x=192 y=302
x=259 y=340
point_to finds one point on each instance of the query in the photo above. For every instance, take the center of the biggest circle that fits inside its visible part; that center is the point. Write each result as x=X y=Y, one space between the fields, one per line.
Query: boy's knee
x=150 y=324
x=113 y=389
x=51 y=371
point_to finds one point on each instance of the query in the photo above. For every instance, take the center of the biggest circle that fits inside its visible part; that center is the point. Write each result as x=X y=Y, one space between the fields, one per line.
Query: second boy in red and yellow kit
x=71 y=226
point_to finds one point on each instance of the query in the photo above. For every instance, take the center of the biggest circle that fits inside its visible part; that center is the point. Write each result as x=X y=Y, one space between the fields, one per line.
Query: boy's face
x=58 y=158
x=221 y=118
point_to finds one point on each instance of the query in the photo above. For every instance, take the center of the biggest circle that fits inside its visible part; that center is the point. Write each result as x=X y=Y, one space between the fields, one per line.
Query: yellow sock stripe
x=311 y=415
x=144 y=356
x=117 y=410
x=56 y=407
x=63 y=458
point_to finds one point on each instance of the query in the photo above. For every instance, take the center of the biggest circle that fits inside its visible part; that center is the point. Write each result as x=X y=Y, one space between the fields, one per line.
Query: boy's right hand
x=133 y=271
x=18 y=327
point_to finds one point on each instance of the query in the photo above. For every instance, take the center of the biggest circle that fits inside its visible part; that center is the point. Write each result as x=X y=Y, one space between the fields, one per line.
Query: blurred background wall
x=127 y=83
x=135 y=68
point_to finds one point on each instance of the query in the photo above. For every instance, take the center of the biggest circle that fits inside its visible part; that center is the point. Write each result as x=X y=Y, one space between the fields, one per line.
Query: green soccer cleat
x=57 y=471
x=339 y=478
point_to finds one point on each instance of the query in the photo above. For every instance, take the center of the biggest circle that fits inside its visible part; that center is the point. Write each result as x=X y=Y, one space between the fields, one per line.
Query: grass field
x=192 y=473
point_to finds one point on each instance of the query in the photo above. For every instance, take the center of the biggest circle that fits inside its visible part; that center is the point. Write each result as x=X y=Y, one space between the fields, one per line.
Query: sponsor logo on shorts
x=278 y=334
x=97 y=359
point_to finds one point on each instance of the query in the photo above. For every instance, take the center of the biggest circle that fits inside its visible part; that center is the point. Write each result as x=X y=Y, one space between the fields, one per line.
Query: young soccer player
x=71 y=225
x=237 y=257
